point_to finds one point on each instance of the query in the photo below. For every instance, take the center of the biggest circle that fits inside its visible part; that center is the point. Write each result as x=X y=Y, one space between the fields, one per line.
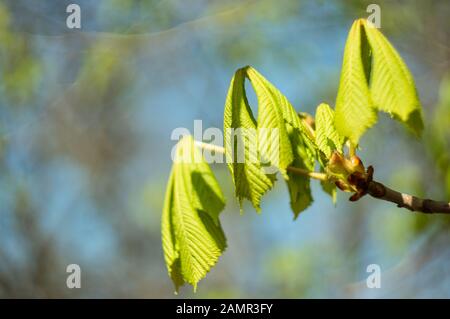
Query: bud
x=336 y=160
x=354 y=164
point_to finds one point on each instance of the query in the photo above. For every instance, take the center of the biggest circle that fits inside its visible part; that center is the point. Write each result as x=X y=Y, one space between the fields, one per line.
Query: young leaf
x=304 y=157
x=327 y=138
x=329 y=188
x=275 y=113
x=299 y=192
x=355 y=112
x=271 y=104
x=171 y=254
x=242 y=157
x=192 y=236
x=374 y=77
x=391 y=84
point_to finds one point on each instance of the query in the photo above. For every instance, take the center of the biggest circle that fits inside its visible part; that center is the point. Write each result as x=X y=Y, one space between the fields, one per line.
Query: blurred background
x=85 y=123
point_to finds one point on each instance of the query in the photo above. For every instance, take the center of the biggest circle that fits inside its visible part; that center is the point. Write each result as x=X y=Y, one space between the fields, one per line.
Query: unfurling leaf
x=374 y=77
x=192 y=236
x=242 y=156
x=391 y=84
x=266 y=143
x=330 y=189
x=355 y=112
x=327 y=138
x=271 y=104
x=304 y=157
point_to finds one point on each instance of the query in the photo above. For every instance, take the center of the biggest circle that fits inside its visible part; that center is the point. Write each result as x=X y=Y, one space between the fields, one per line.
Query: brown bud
x=355 y=160
x=336 y=159
x=354 y=164
x=355 y=197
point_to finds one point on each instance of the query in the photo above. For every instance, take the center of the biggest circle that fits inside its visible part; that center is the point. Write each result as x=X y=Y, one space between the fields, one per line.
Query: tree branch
x=413 y=203
x=374 y=189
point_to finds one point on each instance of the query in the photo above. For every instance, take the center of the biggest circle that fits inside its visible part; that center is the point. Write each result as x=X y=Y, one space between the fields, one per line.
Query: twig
x=374 y=189
x=413 y=203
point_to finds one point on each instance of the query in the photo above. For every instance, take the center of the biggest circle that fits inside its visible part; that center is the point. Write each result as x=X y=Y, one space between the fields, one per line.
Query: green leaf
x=299 y=192
x=391 y=83
x=355 y=112
x=374 y=77
x=271 y=107
x=304 y=157
x=293 y=145
x=171 y=254
x=329 y=188
x=242 y=156
x=192 y=236
x=327 y=138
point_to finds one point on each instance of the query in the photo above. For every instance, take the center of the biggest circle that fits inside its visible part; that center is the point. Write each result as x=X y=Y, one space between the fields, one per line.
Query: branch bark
x=379 y=191
x=410 y=202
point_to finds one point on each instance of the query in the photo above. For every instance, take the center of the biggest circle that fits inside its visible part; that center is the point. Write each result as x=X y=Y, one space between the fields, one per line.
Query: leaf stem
x=304 y=172
x=210 y=147
x=296 y=170
x=351 y=149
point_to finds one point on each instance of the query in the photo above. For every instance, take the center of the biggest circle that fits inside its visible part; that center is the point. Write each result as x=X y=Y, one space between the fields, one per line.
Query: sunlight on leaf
x=354 y=108
x=391 y=83
x=327 y=138
x=192 y=236
x=374 y=77
x=275 y=113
